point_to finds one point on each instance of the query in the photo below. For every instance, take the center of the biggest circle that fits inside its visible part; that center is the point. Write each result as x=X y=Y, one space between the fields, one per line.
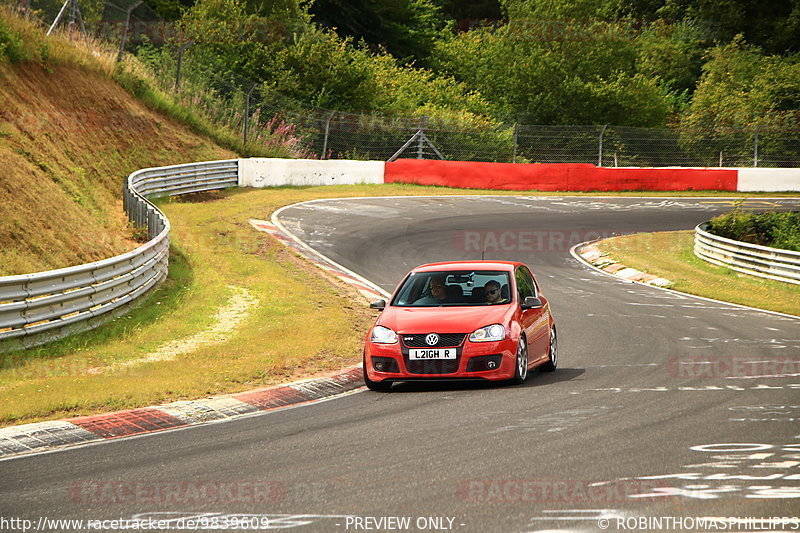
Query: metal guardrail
x=761 y=261
x=37 y=308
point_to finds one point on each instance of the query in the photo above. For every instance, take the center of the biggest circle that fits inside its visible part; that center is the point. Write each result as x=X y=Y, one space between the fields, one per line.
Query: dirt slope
x=69 y=135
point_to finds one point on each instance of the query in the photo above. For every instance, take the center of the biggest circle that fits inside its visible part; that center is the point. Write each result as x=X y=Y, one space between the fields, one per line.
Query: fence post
x=600 y=148
x=73 y=17
x=755 y=147
x=125 y=29
x=80 y=18
x=247 y=111
x=420 y=138
x=516 y=131
x=181 y=50
x=327 y=132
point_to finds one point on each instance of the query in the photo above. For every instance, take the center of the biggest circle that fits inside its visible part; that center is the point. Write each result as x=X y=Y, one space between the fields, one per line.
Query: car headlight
x=382 y=335
x=495 y=332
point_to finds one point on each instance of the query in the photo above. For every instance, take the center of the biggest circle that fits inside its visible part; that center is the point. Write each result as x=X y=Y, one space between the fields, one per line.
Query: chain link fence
x=338 y=135
x=272 y=120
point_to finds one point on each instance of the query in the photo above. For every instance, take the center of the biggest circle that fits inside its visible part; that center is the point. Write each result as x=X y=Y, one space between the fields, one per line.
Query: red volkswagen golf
x=461 y=320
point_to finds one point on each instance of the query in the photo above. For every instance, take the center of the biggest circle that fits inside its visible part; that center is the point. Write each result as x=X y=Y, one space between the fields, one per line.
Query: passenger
x=493 y=294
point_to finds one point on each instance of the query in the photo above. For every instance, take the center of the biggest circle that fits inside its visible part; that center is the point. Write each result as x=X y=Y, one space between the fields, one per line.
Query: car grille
x=446 y=340
x=432 y=366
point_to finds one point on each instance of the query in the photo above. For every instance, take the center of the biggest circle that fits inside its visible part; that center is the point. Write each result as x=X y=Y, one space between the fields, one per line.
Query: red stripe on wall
x=556 y=177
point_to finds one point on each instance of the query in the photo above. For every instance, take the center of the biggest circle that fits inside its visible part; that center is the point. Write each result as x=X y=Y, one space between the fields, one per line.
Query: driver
x=436 y=293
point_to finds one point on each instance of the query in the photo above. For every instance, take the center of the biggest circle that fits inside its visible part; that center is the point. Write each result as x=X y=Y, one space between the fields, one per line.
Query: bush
x=11 y=45
x=777 y=230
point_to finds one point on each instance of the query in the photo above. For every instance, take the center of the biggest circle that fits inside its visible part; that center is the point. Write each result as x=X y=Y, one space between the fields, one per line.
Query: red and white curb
x=369 y=291
x=46 y=436
x=600 y=259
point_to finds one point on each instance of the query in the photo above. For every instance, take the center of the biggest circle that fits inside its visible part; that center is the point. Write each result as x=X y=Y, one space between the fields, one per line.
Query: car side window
x=524 y=285
x=531 y=282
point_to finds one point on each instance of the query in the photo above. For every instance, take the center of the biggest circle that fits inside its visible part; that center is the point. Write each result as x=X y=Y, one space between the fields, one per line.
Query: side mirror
x=532 y=302
x=378 y=304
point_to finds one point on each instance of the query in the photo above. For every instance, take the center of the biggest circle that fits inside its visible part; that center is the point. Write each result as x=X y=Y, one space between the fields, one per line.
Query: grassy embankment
x=69 y=135
x=671 y=255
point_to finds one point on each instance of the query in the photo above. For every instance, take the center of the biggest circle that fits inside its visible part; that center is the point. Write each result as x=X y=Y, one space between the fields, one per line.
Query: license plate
x=431 y=353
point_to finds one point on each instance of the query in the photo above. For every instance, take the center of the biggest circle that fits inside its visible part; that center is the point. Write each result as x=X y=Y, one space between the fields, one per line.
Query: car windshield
x=454 y=288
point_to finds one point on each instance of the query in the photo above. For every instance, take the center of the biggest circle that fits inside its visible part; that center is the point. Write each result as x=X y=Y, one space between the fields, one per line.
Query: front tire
x=552 y=363
x=521 y=363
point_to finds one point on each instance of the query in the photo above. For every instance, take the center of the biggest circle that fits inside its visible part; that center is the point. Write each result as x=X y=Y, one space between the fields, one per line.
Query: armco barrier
x=37 y=308
x=761 y=261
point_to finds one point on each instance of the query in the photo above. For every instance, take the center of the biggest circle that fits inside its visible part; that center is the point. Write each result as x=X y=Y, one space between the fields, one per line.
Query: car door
x=538 y=319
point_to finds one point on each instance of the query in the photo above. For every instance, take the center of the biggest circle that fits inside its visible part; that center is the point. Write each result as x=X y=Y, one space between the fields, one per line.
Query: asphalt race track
x=664 y=407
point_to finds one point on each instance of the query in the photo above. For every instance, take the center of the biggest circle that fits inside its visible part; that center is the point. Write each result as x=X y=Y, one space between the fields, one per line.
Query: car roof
x=468 y=265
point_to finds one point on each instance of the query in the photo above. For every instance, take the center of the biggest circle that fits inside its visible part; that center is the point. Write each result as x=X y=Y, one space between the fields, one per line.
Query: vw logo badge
x=432 y=339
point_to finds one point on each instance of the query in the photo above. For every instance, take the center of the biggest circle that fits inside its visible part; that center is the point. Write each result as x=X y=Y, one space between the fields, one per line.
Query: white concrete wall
x=262 y=172
x=769 y=179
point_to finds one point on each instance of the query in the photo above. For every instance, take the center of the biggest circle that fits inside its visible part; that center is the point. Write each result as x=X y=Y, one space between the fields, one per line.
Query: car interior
x=465 y=288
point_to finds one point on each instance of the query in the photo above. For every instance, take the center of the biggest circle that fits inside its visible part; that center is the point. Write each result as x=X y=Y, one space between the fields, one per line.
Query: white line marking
x=275 y=220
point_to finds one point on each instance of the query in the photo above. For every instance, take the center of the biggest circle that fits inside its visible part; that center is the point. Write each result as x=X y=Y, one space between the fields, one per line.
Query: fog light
x=482 y=363
x=385 y=364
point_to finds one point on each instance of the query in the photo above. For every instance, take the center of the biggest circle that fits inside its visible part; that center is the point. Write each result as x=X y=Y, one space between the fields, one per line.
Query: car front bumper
x=475 y=361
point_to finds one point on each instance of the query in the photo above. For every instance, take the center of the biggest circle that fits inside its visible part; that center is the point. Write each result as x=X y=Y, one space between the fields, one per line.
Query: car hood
x=443 y=319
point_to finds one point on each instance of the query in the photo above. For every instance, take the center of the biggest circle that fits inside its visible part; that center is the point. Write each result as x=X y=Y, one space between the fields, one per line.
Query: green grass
x=670 y=255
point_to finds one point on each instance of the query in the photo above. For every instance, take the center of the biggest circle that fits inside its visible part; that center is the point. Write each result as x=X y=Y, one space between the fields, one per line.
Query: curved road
x=663 y=405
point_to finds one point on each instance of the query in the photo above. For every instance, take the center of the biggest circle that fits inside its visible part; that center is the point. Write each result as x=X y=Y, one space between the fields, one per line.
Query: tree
x=773 y=25
x=544 y=70
x=743 y=88
x=406 y=29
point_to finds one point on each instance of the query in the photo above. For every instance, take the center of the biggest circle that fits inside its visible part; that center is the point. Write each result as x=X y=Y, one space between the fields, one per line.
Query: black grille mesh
x=433 y=366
